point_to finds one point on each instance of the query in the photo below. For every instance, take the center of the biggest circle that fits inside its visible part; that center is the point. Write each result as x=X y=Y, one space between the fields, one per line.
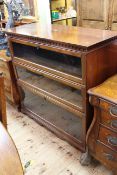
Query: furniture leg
x=115 y=172
x=85 y=158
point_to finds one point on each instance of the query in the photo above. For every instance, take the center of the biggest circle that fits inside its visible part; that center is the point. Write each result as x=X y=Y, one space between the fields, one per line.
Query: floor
x=42 y=153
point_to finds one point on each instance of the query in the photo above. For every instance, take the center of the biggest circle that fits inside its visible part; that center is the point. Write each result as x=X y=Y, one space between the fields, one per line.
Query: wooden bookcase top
x=79 y=36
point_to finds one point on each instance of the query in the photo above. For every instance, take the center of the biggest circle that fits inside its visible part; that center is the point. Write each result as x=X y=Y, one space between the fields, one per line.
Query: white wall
x=44 y=11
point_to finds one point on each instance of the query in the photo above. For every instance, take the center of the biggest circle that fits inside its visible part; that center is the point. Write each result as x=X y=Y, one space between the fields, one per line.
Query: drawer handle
x=1 y=73
x=112 y=140
x=114 y=124
x=109 y=157
x=113 y=111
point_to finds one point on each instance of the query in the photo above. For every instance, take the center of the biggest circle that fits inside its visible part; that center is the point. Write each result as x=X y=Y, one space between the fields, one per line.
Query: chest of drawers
x=55 y=66
x=102 y=135
x=6 y=68
x=3 y=118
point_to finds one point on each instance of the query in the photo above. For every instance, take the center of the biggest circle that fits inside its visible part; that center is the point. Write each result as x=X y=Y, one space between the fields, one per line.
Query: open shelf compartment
x=54 y=116
x=68 y=66
x=58 y=91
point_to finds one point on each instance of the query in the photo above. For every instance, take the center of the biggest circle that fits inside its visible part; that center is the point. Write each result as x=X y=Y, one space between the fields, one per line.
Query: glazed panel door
x=93 y=13
x=113 y=15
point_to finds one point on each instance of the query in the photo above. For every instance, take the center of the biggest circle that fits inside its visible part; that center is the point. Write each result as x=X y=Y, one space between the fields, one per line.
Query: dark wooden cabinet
x=102 y=135
x=55 y=68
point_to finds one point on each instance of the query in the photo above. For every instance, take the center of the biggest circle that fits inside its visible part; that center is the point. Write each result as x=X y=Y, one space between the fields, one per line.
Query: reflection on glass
x=56 y=116
x=24 y=7
x=29 y=8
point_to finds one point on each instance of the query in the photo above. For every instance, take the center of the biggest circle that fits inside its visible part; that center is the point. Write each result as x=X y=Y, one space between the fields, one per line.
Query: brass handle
x=109 y=28
x=109 y=157
x=106 y=28
x=1 y=73
x=113 y=111
x=112 y=140
x=114 y=124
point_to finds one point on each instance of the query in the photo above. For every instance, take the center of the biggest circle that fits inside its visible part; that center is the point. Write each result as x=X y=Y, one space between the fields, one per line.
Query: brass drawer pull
x=109 y=157
x=112 y=140
x=113 y=111
x=1 y=73
x=114 y=124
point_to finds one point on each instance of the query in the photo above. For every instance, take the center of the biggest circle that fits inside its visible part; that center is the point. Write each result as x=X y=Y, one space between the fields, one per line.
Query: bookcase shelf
x=55 y=68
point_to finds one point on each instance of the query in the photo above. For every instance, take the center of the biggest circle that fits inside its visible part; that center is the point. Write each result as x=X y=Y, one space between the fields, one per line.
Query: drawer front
x=106 y=156
x=8 y=88
x=109 y=120
x=7 y=79
x=3 y=65
x=5 y=73
x=7 y=83
x=9 y=96
x=108 y=137
x=109 y=107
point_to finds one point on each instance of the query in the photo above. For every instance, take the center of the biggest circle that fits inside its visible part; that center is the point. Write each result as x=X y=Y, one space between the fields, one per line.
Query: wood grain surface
x=9 y=161
x=84 y=37
x=107 y=90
